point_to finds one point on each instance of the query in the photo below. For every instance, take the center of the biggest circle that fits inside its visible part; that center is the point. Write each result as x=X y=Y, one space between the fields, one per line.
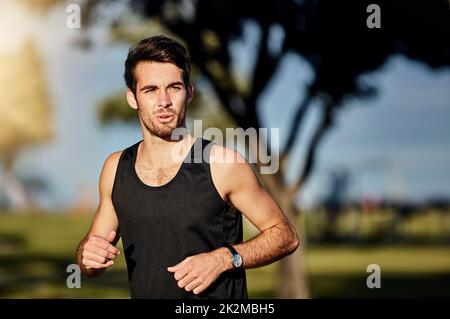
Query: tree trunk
x=292 y=272
x=293 y=281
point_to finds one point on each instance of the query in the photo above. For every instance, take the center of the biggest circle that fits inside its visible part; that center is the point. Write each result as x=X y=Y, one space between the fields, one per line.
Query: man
x=179 y=217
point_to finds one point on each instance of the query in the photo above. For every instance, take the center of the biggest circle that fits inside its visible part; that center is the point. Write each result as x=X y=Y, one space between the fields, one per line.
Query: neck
x=158 y=152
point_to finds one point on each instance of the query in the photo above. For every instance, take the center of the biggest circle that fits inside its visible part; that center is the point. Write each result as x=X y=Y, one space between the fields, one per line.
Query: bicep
x=259 y=207
x=246 y=194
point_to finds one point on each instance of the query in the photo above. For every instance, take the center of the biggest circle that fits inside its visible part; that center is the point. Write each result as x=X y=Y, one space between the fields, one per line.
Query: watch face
x=237 y=260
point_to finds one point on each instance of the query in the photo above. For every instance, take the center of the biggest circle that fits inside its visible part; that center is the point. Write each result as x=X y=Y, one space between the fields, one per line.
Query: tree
x=332 y=36
x=25 y=110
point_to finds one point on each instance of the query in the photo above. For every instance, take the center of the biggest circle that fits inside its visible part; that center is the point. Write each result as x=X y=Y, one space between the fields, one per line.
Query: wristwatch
x=236 y=258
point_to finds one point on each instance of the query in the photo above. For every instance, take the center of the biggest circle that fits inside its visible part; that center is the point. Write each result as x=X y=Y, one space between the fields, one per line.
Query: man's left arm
x=236 y=181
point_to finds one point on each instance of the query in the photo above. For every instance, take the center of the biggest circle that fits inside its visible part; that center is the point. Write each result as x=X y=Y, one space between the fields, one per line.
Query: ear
x=190 y=92
x=131 y=99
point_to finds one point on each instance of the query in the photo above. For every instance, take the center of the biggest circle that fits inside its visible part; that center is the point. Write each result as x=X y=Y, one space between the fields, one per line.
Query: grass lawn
x=35 y=251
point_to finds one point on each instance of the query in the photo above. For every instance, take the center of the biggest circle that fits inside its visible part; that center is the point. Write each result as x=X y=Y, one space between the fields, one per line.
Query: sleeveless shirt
x=162 y=225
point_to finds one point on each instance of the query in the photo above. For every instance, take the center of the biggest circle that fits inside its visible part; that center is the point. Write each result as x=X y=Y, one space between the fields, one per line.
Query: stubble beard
x=162 y=130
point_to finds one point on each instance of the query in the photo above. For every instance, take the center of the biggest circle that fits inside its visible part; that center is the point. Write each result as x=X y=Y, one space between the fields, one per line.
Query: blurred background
x=364 y=141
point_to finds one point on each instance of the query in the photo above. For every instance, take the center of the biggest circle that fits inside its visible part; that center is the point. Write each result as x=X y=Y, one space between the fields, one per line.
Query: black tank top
x=162 y=225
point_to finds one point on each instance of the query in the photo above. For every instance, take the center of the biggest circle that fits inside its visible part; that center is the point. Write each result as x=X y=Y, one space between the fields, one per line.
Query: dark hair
x=159 y=49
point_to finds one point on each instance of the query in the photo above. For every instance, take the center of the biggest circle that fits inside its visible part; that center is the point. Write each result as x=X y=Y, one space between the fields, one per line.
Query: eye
x=176 y=88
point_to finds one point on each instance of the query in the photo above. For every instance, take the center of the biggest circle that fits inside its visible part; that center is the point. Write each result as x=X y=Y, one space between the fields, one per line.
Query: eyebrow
x=151 y=86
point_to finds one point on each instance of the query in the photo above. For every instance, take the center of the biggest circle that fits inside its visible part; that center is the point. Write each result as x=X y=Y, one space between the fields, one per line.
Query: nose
x=164 y=99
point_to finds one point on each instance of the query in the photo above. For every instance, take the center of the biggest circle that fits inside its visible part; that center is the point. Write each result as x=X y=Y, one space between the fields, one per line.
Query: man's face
x=161 y=97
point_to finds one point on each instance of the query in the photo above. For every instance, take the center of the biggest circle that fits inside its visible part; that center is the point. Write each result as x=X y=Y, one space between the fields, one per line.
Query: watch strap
x=232 y=250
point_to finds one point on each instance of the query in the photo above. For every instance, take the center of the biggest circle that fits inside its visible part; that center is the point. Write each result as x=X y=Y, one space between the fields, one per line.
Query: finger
x=96 y=265
x=199 y=289
x=192 y=285
x=100 y=252
x=95 y=257
x=178 y=266
x=186 y=280
x=181 y=273
x=102 y=243
x=111 y=236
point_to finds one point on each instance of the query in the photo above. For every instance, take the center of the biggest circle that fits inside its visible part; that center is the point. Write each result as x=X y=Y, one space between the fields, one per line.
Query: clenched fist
x=98 y=252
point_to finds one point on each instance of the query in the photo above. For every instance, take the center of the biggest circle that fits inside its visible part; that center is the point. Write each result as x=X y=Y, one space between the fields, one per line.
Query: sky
x=396 y=145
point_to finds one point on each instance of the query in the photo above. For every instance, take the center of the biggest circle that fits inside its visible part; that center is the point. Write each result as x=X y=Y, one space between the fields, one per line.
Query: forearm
x=270 y=245
x=196 y=273
x=88 y=272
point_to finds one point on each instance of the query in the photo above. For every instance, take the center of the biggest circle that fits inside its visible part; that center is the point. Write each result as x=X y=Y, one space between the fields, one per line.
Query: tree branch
x=324 y=125
x=295 y=126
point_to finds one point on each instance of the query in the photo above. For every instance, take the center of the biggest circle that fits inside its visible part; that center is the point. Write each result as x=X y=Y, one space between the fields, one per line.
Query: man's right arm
x=97 y=250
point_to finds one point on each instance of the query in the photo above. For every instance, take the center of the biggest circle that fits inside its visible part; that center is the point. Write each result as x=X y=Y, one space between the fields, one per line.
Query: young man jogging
x=179 y=217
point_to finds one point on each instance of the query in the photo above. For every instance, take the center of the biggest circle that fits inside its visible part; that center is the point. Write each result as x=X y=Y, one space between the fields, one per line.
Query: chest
x=156 y=176
x=183 y=209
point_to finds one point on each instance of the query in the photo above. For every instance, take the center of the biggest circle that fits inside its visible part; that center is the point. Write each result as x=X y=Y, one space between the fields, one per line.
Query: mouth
x=165 y=117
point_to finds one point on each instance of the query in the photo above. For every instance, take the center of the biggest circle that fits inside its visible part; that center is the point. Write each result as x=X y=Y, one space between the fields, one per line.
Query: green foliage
x=36 y=249
x=115 y=108
x=429 y=226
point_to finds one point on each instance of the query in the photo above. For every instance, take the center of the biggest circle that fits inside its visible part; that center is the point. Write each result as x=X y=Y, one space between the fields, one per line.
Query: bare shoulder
x=113 y=160
x=230 y=170
x=220 y=150
x=109 y=172
x=227 y=159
